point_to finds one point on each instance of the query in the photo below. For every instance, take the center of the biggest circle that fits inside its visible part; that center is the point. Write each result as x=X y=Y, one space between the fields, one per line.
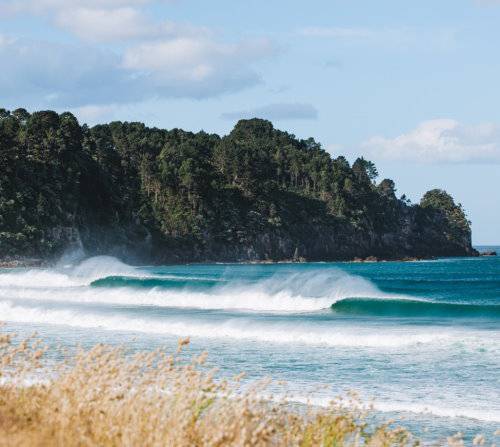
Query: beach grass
x=108 y=397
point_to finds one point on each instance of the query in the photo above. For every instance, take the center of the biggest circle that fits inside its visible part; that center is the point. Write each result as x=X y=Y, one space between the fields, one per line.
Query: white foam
x=36 y=278
x=68 y=276
x=249 y=301
x=300 y=292
x=433 y=409
x=335 y=284
x=101 y=267
x=236 y=329
x=465 y=411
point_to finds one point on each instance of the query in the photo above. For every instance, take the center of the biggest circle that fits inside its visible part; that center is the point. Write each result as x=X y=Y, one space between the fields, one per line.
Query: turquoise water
x=420 y=340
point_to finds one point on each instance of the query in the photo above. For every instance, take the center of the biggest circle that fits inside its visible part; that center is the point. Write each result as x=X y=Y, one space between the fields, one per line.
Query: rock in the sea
x=488 y=253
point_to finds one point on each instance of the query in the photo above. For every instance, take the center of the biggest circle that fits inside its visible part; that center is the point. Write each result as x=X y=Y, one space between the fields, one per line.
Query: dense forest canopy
x=257 y=193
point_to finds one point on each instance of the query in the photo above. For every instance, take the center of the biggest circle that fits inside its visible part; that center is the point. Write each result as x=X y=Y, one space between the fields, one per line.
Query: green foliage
x=58 y=177
x=441 y=206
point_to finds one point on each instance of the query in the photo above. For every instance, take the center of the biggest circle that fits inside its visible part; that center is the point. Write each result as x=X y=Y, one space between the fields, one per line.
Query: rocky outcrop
x=488 y=253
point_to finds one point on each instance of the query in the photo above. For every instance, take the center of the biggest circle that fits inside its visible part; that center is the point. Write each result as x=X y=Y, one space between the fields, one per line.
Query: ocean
x=420 y=341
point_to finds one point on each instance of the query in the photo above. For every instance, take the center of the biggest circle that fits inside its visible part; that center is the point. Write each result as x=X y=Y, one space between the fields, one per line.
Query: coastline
x=478 y=251
x=23 y=263
x=39 y=263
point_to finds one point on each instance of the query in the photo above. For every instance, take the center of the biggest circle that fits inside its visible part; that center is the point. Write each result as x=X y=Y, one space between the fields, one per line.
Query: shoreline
x=39 y=263
x=23 y=263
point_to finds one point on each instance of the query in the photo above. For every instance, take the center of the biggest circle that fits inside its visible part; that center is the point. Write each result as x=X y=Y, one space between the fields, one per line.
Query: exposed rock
x=488 y=253
x=18 y=263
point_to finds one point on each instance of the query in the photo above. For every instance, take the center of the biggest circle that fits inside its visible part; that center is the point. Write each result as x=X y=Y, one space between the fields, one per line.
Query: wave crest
x=413 y=308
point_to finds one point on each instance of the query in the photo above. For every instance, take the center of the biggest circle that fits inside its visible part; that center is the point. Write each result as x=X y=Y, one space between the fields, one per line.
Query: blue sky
x=414 y=86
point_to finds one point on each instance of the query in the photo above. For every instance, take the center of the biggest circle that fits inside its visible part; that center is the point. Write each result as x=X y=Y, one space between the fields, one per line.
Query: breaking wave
x=106 y=280
x=69 y=276
x=235 y=329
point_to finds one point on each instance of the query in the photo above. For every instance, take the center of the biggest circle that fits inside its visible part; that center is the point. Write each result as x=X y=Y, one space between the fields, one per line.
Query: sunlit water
x=421 y=340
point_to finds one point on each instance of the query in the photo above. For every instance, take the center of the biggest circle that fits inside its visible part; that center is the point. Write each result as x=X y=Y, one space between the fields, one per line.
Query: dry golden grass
x=104 y=397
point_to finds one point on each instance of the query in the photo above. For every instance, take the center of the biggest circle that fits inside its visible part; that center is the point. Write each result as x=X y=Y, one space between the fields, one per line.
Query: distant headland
x=167 y=196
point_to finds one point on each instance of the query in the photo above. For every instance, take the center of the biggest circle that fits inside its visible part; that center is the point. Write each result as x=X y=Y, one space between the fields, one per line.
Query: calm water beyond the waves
x=419 y=339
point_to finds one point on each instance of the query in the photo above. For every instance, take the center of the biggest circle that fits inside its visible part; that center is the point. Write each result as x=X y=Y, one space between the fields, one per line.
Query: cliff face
x=416 y=234
x=150 y=195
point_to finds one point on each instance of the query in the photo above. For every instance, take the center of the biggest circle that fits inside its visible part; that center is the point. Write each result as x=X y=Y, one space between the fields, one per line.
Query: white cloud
x=44 y=74
x=92 y=114
x=5 y=40
x=51 y=6
x=102 y=20
x=198 y=66
x=440 y=141
x=157 y=59
x=192 y=58
x=277 y=112
x=103 y=24
x=120 y=24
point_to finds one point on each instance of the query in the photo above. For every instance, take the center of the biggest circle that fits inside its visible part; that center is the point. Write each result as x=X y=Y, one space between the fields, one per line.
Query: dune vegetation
x=108 y=397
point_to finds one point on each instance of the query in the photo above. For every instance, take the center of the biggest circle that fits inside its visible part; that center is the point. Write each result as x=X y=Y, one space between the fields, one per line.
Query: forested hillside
x=154 y=195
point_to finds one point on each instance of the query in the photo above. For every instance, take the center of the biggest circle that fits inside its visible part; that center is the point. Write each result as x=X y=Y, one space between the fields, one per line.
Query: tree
x=439 y=203
x=387 y=188
x=362 y=167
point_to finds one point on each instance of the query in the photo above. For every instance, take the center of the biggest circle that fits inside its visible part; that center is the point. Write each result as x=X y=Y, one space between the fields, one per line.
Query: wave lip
x=149 y=282
x=413 y=308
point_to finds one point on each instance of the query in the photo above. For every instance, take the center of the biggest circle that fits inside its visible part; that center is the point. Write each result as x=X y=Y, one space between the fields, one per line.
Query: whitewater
x=420 y=340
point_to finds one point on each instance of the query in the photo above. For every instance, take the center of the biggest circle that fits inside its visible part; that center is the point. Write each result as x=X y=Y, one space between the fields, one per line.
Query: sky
x=413 y=86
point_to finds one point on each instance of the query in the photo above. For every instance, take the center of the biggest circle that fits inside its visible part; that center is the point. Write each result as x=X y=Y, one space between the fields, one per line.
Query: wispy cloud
x=399 y=37
x=276 y=112
x=440 y=141
x=97 y=25
x=55 y=6
x=339 y=32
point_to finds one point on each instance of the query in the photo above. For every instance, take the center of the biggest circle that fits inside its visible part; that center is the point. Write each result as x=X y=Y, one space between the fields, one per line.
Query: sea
x=418 y=341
